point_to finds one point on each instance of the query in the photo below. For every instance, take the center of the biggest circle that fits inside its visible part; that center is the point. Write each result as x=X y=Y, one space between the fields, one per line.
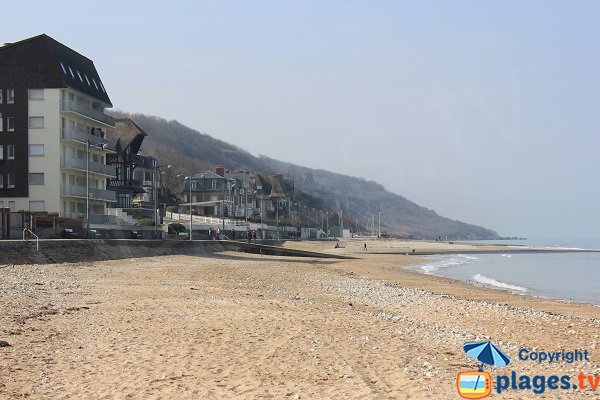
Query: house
x=52 y=121
x=126 y=141
x=281 y=197
x=211 y=193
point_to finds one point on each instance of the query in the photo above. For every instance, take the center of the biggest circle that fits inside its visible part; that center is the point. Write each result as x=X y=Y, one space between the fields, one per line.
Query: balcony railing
x=123 y=183
x=84 y=110
x=80 y=191
x=79 y=164
x=81 y=135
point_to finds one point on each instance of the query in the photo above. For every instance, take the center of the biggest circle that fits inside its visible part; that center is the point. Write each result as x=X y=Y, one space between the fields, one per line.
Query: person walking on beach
x=365 y=248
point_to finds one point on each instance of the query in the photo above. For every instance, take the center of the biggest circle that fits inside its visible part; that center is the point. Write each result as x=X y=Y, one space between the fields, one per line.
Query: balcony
x=80 y=192
x=81 y=136
x=85 y=111
x=133 y=184
x=79 y=164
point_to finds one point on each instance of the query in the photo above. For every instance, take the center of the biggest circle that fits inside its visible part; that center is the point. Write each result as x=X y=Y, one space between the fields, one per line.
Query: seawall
x=82 y=250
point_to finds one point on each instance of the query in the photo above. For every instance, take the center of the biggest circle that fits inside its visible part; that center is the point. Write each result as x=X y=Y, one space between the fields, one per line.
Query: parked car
x=69 y=234
x=136 y=235
x=94 y=234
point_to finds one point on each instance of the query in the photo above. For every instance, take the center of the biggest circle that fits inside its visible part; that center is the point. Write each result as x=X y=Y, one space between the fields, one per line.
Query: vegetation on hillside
x=190 y=152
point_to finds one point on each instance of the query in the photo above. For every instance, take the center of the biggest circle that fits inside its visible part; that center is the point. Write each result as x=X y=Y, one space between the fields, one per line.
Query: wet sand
x=252 y=327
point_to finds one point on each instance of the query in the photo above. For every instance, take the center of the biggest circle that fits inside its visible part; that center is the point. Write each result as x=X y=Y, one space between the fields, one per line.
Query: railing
x=79 y=163
x=80 y=135
x=123 y=183
x=82 y=109
x=80 y=191
x=37 y=239
x=229 y=223
x=120 y=214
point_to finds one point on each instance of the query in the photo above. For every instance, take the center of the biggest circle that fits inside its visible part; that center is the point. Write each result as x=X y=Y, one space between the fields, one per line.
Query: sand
x=250 y=327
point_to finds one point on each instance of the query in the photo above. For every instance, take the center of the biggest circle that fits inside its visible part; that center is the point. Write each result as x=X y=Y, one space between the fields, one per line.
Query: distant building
x=126 y=141
x=211 y=193
x=52 y=104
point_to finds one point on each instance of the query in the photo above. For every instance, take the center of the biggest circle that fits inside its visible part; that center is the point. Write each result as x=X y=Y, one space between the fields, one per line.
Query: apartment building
x=52 y=104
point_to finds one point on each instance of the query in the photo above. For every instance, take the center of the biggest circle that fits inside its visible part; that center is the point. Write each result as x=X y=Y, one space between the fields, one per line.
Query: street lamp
x=189 y=178
x=155 y=193
x=87 y=186
x=260 y=206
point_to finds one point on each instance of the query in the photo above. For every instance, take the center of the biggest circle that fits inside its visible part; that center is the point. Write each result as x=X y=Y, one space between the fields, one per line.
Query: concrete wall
x=72 y=250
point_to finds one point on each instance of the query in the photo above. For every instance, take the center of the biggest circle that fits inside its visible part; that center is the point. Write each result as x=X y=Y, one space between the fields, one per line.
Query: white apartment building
x=52 y=104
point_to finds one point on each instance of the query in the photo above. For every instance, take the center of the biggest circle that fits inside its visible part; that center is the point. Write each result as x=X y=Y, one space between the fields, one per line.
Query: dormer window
x=214 y=184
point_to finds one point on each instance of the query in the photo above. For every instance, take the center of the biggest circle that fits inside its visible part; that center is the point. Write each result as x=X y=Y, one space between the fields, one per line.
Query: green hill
x=191 y=151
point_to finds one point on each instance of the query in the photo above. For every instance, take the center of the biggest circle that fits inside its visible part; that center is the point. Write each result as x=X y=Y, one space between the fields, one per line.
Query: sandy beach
x=258 y=327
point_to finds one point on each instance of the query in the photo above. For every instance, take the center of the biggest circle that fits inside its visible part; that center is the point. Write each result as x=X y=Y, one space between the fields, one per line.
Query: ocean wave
x=433 y=267
x=492 y=282
x=507 y=255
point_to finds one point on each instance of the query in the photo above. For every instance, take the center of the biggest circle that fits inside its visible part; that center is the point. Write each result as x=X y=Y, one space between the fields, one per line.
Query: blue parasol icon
x=486 y=353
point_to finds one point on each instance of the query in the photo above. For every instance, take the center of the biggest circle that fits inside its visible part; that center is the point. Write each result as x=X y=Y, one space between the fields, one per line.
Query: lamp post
x=321 y=220
x=327 y=225
x=155 y=193
x=87 y=183
x=189 y=179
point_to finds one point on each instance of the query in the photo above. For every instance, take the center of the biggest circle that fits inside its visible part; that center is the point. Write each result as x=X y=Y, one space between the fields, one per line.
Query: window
x=36 y=178
x=36 y=149
x=10 y=96
x=63 y=67
x=71 y=71
x=0 y=96
x=79 y=74
x=10 y=180
x=36 y=122
x=1 y=121
x=10 y=152
x=102 y=86
x=87 y=80
x=38 y=205
x=1 y=181
x=11 y=205
x=10 y=124
x=214 y=184
x=94 y=81
x=1 y=152
x=36 y=94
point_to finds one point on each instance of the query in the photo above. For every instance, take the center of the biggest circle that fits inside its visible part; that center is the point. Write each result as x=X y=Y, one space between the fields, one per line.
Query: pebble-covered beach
x=251 y=327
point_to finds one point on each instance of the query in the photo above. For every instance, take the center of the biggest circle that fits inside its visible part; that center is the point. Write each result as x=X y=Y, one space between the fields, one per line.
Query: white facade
x=61 y=122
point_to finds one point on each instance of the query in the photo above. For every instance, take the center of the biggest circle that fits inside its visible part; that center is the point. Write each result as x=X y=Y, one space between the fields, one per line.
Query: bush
x=176 y=228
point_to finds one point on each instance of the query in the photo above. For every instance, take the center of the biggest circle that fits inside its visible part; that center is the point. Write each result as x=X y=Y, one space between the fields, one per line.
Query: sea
x=566 y=276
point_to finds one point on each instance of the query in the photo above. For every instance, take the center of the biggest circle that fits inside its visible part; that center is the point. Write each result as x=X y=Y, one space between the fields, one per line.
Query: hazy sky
x=484 y=111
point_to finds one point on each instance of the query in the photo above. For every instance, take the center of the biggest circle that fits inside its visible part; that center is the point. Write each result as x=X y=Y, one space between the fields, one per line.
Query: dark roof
x=207 y=175
x=36 y=63
x=127 y=133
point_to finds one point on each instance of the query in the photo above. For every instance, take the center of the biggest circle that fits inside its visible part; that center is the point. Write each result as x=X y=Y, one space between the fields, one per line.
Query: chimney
x=220 y=170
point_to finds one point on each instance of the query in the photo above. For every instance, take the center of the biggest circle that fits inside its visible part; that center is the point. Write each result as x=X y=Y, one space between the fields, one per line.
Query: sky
x=484 y=111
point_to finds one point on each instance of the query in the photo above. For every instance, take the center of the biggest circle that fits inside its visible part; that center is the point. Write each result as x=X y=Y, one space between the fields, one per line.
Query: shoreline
x=466 y=289
x=236 y=325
